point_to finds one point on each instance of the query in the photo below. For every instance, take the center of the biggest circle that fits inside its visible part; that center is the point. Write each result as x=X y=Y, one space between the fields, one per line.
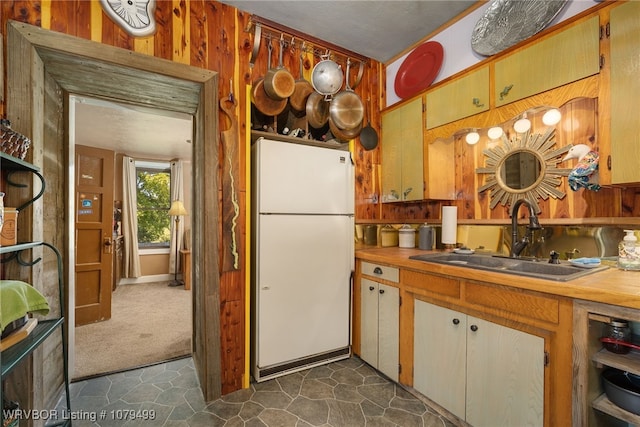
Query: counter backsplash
x=569 y=241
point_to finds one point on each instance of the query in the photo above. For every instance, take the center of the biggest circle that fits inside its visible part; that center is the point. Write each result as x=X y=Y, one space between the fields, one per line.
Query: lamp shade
x=177 y=209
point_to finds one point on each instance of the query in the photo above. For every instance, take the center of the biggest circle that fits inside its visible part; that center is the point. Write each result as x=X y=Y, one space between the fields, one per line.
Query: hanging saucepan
x=346 y=108
x=327 y=77
x=317 y=109
x=278 y=82
x=262 y=101
x=344 y=135
x=298 y=100
x=368 y=136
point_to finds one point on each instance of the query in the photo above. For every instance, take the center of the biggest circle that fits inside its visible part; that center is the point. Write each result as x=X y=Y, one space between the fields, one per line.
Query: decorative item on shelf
x=135 y=17
x=419 y=69
x=508 y=22
x=8 y=226
x=12 y=142
x=585 y=173
x=617 y=331
x=177 y=209
x=389 y=236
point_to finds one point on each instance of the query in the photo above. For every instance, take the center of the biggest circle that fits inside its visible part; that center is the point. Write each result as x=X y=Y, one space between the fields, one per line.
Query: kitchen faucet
x=518 y=246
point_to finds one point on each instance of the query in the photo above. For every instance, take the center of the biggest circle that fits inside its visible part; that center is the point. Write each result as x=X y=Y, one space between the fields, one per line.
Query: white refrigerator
x=302 y=256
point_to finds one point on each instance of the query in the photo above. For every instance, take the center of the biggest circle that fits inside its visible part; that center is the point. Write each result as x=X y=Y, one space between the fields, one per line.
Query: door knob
x=107 y=245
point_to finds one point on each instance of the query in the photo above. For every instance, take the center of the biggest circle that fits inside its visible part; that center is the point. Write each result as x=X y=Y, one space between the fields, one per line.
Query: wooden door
x=93 y=232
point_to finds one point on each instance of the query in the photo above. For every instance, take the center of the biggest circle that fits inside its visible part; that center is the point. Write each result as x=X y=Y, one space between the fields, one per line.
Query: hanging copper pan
x=298 y=100
x=278 y=82
x=344 y=135
x=317 y=110
x=261 y=100
x=347 y=110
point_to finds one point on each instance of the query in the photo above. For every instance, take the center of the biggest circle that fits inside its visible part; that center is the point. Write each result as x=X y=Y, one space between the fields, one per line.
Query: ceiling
x=140 y=132
x=379 y=29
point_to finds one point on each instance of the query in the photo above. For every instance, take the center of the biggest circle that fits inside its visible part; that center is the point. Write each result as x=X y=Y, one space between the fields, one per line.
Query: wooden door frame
x=43 y=67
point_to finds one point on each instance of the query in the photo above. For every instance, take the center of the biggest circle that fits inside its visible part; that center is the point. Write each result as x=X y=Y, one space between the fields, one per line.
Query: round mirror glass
x=520 y=170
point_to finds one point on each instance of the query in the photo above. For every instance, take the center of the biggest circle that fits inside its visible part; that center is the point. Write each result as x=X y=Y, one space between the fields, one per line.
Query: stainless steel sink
x=540 y=269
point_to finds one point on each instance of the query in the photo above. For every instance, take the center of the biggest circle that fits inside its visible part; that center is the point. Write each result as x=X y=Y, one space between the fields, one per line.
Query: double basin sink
x=540 y=269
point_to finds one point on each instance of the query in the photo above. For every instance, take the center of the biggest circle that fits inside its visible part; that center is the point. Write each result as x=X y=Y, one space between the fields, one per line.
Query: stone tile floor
x=347 y=393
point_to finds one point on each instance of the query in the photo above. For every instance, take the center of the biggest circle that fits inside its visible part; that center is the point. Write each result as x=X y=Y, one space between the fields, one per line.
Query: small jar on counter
x=388 y=236
x=617 y=330
x=407 y=237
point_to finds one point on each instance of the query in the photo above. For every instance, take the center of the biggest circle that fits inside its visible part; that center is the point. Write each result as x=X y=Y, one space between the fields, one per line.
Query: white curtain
x=131 y=260
x=177 y=193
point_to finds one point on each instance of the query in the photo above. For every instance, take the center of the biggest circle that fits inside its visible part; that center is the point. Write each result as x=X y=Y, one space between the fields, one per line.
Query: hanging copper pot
x=347 y=110
x=262 y=101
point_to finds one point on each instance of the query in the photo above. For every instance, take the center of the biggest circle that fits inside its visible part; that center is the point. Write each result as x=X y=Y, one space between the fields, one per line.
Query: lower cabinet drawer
x=385 y=272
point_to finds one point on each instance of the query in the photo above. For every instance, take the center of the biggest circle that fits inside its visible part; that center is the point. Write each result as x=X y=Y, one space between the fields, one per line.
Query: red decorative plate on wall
x=419 y=69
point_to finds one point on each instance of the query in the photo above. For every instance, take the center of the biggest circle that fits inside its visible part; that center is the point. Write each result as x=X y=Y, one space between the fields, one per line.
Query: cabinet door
x=505 y=376
x=625 y=91
x=369 y=321
x=391 y=152
x=388 y=330
x=439 y=360
x=568 y=56
x=461 y=98
x=402 y=153
x=412 y=153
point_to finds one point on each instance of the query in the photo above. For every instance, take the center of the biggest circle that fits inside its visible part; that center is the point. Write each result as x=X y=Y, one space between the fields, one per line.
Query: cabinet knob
x=456 y=321
x=474 y=328
x=382 y=291
x=377 y=270
x=371 y=288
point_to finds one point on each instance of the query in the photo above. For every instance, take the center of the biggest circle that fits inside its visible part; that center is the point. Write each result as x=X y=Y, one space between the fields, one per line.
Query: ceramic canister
x=388 y=236
x=407 y=237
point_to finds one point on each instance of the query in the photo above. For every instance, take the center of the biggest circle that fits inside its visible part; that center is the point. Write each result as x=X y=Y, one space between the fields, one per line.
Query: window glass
x=153 y=184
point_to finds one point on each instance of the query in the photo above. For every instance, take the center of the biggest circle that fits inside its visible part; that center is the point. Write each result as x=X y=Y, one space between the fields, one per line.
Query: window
x=153 y=187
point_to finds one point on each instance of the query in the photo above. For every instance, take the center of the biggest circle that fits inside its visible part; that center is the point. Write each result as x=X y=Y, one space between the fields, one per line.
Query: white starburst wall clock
x=133 y=16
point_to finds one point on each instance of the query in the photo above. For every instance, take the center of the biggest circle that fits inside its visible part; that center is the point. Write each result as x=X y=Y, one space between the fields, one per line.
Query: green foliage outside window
x=154 y=201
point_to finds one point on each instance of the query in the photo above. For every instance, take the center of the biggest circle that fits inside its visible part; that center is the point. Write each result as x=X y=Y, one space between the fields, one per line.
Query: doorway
x=138 y=313
x=45 y=66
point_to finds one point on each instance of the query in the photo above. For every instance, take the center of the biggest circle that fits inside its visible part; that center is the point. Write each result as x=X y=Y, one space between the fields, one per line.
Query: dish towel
x=17 y=299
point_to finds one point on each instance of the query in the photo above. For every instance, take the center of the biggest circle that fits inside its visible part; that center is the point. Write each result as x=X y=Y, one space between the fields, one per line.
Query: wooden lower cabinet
x=484 y=373
x=490 y=354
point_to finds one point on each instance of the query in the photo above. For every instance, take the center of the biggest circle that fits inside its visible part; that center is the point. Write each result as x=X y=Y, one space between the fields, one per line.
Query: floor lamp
x=177 y=209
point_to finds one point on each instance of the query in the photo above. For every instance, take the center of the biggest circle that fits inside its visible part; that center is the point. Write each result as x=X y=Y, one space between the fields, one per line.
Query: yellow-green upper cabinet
x=402 y=155
x=562 y=58
x=461 y=98
x=625 y=92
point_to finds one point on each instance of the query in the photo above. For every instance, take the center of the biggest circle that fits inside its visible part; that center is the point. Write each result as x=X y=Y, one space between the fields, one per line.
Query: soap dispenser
x=629 y=252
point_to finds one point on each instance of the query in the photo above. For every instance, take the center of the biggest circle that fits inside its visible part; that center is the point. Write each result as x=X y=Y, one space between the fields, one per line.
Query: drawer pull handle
x=505 y=91
x=377 y=270
x=477 y=103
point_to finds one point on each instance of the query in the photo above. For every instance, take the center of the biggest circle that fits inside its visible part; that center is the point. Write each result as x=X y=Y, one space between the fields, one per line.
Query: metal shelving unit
x=17 y=353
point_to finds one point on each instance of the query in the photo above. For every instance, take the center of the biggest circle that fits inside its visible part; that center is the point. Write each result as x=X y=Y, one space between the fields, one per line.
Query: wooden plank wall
x=214 y=36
